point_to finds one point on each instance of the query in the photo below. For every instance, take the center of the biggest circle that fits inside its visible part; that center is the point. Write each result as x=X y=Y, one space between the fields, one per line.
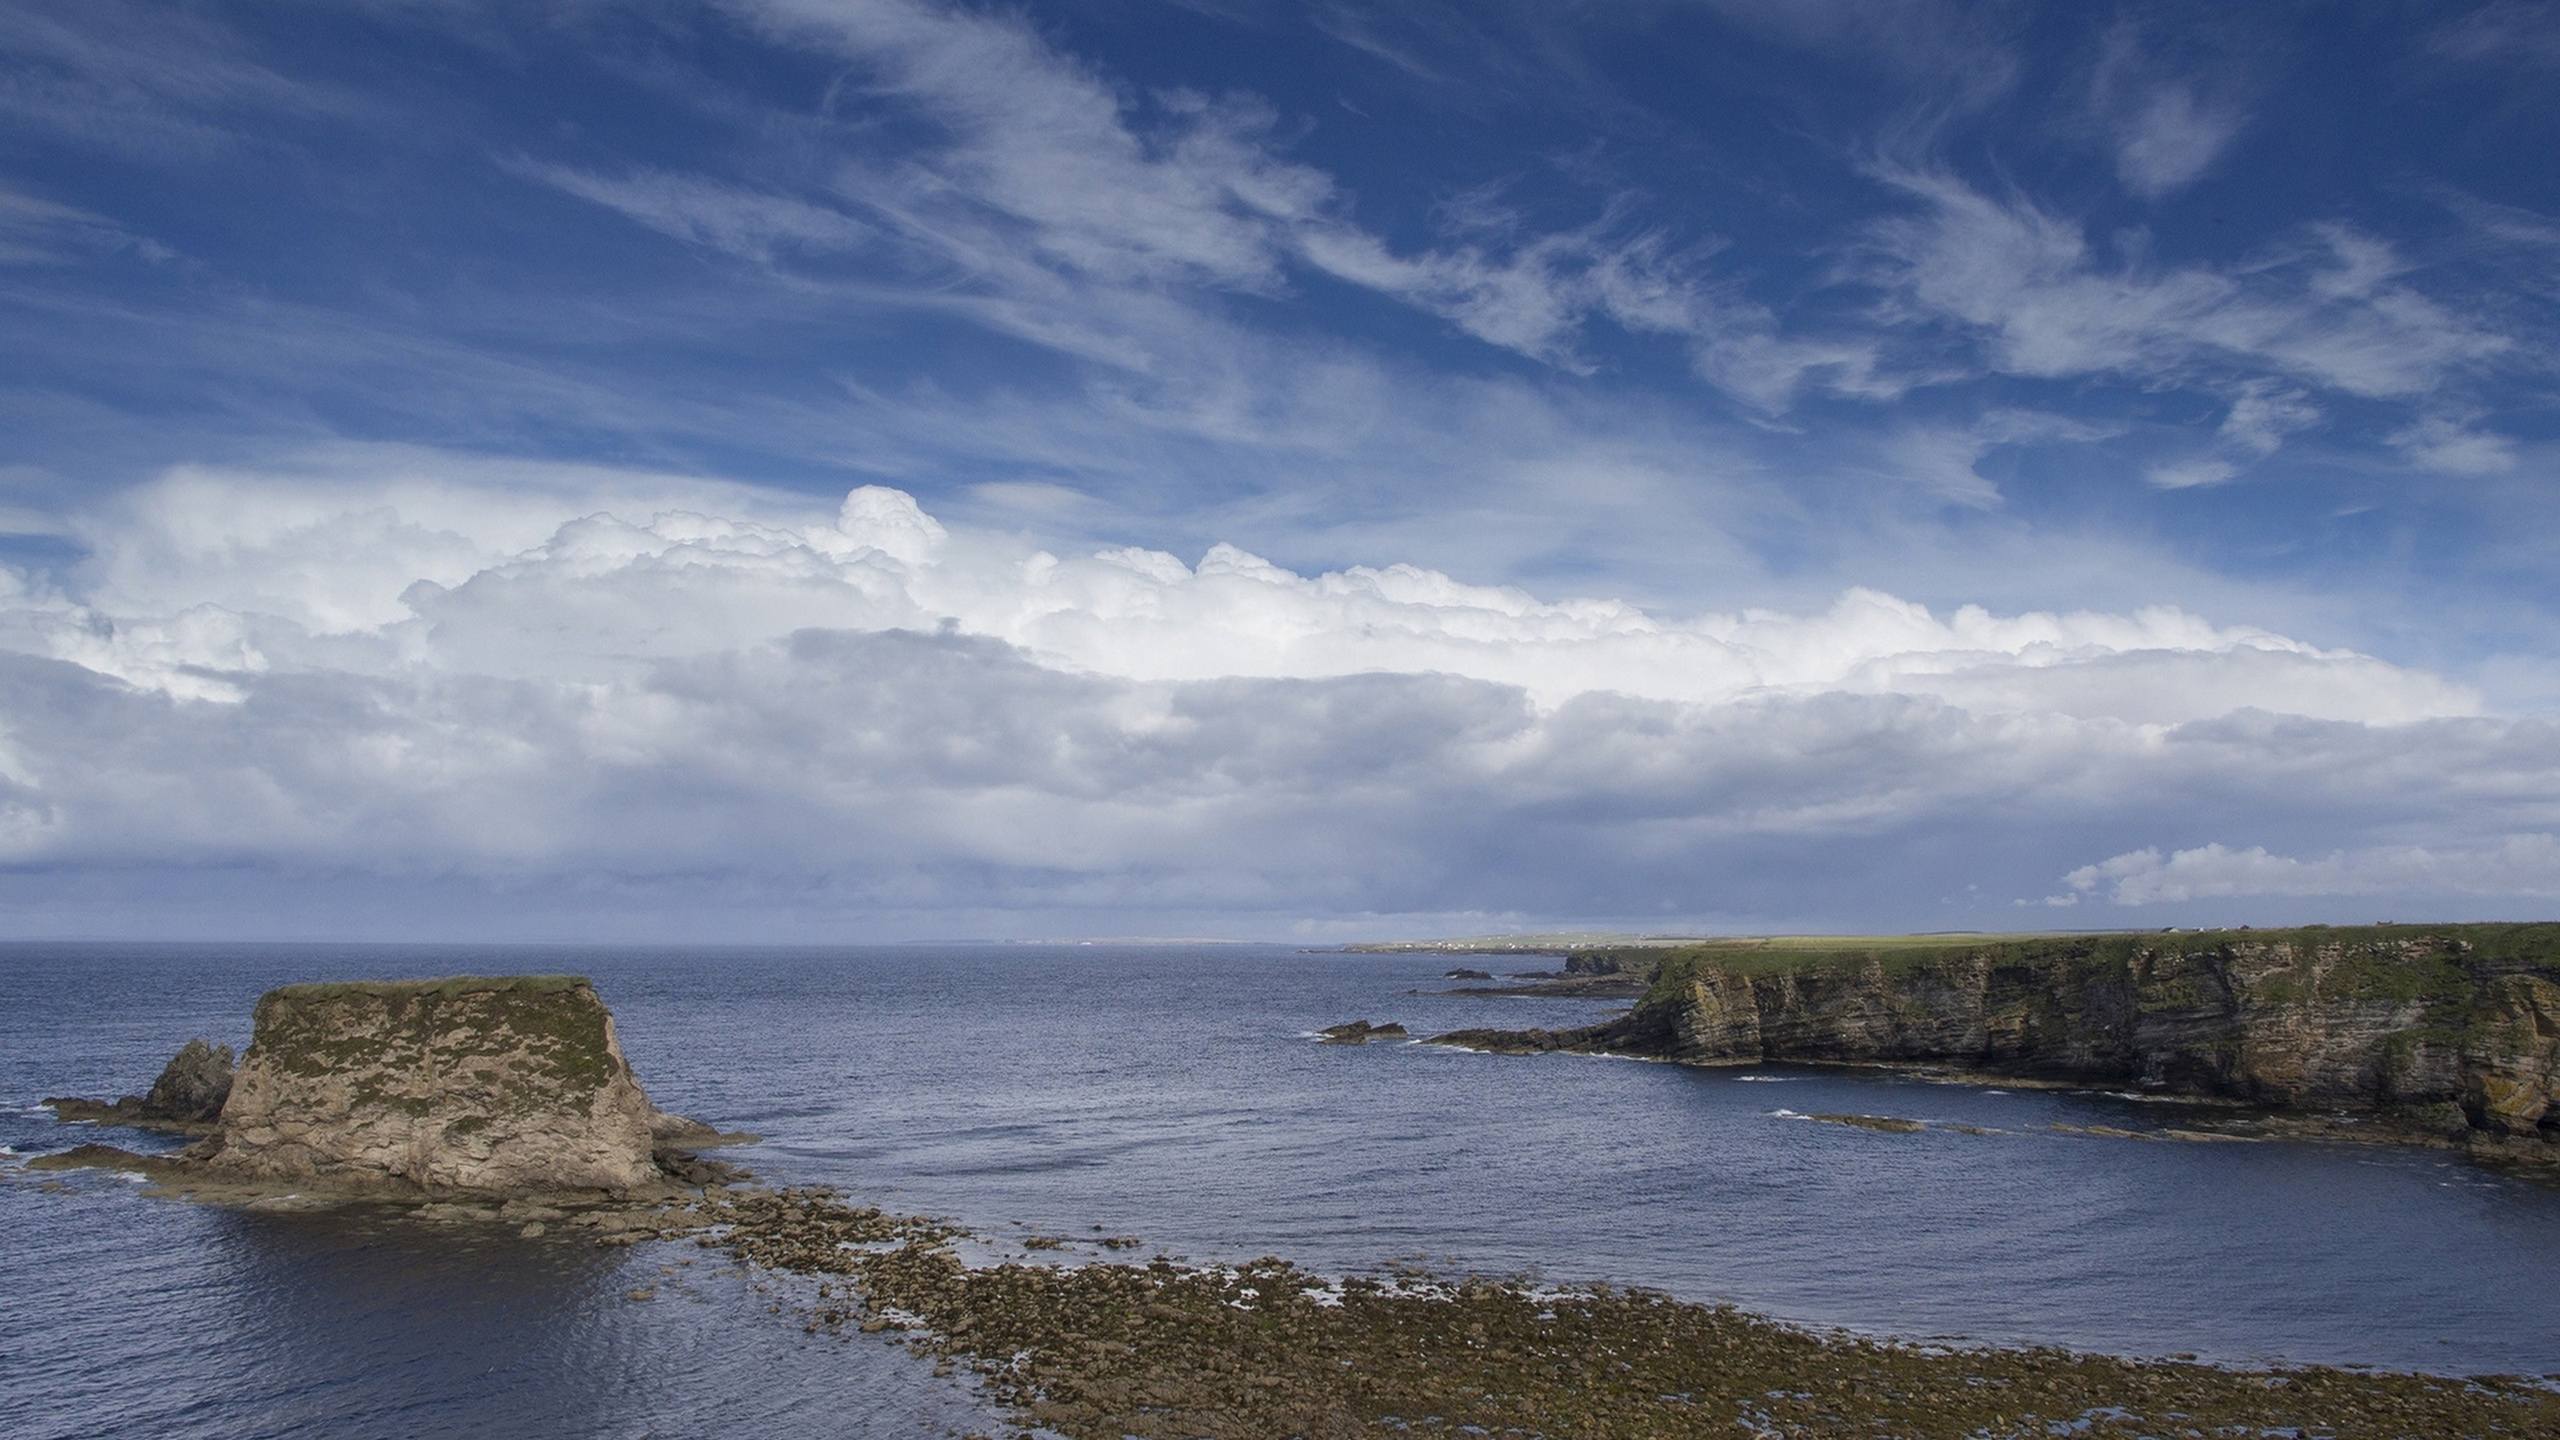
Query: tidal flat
x=1164 y=1351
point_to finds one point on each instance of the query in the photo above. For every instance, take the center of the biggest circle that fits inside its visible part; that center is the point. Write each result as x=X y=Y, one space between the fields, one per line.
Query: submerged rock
x=1886 y=1124
x=1360 y=1032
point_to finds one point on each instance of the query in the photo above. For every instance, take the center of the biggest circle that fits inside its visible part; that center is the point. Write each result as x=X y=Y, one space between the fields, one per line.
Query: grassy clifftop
x=441 y=988
x=552 y=1025
x=2376 y=956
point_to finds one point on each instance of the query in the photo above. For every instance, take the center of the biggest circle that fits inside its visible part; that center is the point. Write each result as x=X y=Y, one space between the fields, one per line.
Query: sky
x=844 y=470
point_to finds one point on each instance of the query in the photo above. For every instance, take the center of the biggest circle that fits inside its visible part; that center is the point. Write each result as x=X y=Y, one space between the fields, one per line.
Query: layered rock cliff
x=492 y=1085
x=2444 y=1028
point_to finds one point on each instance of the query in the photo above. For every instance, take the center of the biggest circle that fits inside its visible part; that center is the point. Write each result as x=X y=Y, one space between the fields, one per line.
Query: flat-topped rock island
x=491 y=1086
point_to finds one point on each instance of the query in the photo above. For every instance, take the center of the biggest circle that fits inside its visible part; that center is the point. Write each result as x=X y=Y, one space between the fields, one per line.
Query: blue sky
x=2056 y=465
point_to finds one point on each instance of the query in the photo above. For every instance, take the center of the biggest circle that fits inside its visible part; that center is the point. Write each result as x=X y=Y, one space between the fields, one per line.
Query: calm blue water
x=1169 y=1093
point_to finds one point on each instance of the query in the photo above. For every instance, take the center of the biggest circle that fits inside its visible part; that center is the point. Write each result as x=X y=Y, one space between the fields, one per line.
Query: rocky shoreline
x=1100 y=1350
x=1070 y=1343
x=520 y=1108
x=2443 y=1036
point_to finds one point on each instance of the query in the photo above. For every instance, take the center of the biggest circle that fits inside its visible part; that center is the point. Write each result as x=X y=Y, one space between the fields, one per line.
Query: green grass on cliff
x=443 y=987
x=2363 y=967
x=372 y=1028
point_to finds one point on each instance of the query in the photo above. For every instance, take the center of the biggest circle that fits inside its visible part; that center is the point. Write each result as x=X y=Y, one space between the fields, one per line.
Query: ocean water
x=1172 y=1093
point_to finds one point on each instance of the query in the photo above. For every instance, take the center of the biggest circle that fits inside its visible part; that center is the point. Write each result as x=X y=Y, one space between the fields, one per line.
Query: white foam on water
x=1770 y=1079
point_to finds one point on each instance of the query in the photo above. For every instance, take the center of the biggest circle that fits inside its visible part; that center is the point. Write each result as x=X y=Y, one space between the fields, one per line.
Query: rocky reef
x=186 y=1099
x=1096 y=1349
x=2444 y=1031
x=468 y=1085
x=1360 y=1032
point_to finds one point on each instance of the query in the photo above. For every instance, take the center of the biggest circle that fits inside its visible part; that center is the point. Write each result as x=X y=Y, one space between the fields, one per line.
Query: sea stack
x=504 y=1085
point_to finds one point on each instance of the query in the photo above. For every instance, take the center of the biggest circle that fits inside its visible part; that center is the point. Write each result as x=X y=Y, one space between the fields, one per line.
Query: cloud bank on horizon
x=823 y=468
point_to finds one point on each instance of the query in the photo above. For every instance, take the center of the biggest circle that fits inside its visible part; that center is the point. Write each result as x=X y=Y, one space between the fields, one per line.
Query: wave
x=1770 y=1079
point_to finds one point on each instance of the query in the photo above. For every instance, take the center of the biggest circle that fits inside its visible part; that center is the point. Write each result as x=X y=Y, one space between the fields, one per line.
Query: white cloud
x=2503 y=32
x=2168 y=121
x=2044 y=304
x=37 y=231
x=2169 y=139
x=2514 y=866
x=2191 y=474
x=1943 y=459
x=752 y=224
x=549 y=570
x=2262 y=414
x=140 y=77
x=2455 y=445
x=562 y=681
x=1058 y=208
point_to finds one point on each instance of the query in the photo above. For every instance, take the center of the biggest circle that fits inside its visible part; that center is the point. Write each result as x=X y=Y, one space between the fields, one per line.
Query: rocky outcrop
x=471 y=1086
x=2452 y=1028
x=1360 y=1032
x=187 y=1098
x=1612 y=962
x=504 y=1085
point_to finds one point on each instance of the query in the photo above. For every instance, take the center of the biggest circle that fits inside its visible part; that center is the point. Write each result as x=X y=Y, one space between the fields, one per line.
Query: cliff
x=2443 y=1028
x=493 y=1085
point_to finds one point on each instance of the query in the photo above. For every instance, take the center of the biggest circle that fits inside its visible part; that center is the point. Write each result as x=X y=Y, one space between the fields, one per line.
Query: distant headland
x=2444 y=1034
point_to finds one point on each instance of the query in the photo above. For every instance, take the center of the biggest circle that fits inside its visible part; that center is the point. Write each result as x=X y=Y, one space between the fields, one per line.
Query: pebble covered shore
x=1100 y=1349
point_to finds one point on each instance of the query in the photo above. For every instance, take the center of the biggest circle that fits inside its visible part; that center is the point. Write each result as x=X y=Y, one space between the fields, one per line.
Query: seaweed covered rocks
x=1360 y=1032
x=1104 y=1351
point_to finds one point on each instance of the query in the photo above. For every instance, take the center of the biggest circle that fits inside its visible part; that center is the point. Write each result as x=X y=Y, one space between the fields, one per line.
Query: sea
x=1174 y=1093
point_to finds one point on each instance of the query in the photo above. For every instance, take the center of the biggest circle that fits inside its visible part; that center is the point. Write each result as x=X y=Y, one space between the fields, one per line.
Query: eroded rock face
x=187 y=1098
x=2441 y=1026
x=2511 y=1058
x=506 y=1085
x=194 y=1084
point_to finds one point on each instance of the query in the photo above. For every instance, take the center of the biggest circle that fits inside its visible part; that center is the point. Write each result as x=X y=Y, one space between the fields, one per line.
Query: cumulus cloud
x=2514 y=866
x=503 y=675
x=546 y=571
